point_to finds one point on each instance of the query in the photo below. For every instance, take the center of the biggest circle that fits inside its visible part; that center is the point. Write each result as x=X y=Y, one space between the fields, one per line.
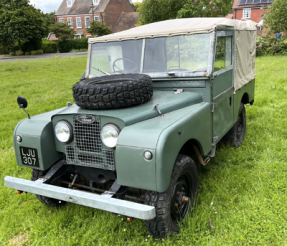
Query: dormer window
x=96 y=1
x=69 y=3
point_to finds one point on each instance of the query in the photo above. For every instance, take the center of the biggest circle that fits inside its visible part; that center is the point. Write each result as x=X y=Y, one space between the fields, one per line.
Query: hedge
x=19 y=53
x=271 y=46
x=65 y=46
x=80 y=44
x=27 y=46
x=49 y=46
x=76 y=44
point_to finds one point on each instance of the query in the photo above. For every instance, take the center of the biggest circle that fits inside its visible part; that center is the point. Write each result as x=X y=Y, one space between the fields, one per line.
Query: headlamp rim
x=68 y=124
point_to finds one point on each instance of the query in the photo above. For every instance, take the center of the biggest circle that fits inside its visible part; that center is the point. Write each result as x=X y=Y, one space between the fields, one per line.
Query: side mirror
x=22 y=102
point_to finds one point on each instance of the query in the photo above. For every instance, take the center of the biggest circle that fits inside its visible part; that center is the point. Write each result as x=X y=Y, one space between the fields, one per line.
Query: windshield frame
x=185 y=74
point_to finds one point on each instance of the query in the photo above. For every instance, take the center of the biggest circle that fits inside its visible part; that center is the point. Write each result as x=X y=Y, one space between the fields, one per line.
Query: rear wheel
x=173 y=204
x=236 y=134
x=51 y=202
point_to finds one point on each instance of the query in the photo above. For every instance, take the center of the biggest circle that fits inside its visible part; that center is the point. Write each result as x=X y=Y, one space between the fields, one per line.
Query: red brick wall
x=113 y=11
x=77 y=30
x=256 y=14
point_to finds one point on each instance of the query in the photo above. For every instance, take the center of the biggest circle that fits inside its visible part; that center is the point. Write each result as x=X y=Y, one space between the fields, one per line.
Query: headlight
x=109 y=135
x=63 y=131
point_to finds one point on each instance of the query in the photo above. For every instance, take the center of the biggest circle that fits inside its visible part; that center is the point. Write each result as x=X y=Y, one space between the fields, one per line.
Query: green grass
x=246 y=186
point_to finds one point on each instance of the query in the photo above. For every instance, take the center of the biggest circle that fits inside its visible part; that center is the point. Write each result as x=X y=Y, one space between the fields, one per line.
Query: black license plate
x=29 y=157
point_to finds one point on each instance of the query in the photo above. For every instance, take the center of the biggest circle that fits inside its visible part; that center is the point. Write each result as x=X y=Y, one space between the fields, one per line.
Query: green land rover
x=153 y=100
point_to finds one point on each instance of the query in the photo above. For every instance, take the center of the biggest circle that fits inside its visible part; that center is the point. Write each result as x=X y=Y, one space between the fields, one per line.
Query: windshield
x=153 y=56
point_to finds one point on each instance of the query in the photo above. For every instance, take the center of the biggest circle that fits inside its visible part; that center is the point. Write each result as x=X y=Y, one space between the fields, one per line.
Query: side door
x=223 y=84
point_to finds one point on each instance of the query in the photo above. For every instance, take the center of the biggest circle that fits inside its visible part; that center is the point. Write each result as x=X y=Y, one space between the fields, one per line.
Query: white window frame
x=69 y=3
x=61 y=20
x=87 y=19
x=70 y=21
x=79 y=23
x=96 y=18
x=96 y=1
x=247 y=13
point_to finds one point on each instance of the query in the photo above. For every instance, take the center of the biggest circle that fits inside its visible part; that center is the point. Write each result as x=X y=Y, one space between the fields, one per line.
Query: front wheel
x=173 y=204
x=51 y=202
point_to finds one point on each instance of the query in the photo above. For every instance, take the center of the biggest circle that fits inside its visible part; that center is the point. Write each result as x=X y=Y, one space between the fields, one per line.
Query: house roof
x=81 y=7
x=176 y=27
x=126 y=21
x=250 y=3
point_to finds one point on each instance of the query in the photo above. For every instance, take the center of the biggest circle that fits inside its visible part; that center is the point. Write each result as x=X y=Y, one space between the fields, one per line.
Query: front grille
x=87 y=148
x=87 y=136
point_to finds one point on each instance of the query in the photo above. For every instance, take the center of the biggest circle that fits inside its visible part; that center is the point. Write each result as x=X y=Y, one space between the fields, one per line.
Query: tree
x=20 y=21
x=275 y=18
x=62 y=31
x=205 y=8
x=98 y=29
x=136 y=5
x=158 y=10
x=49 y=19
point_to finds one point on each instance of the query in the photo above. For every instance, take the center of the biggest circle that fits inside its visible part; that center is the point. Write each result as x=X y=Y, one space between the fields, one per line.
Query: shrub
x=65 y=46
x=27 y=53
x=271 y=46
x=31 y=45
x=39 y=52
x=19 y=53
x=80 y=44
x=27 y=46
x=34 y=52
x=12 y=53
x=49 y=46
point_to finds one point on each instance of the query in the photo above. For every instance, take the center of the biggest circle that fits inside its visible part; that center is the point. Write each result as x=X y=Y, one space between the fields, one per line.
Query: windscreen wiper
x=101 y=71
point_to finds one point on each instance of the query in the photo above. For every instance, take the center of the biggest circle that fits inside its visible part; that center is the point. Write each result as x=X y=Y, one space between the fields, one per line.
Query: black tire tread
x=113 y=91
x=162 y=225
x=51 y=202
x=231 y=136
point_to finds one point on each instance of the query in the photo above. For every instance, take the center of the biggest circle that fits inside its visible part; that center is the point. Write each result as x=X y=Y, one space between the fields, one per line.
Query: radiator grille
x=87 y=149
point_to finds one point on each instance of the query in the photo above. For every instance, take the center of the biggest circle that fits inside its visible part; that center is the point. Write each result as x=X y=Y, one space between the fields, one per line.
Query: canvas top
x=176 y=27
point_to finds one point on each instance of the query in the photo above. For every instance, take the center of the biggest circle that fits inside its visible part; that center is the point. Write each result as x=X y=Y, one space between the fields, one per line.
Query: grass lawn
x=242 y=192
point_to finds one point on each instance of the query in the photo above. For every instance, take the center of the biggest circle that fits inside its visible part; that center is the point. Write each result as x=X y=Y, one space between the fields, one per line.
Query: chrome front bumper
x=103 y=202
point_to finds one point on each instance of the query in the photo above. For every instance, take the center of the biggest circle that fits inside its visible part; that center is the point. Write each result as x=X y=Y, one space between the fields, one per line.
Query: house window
x=70 y=21
x=96 y=18
x=79 y=23
x=246 y=13
x=87 y=21
x=69 y=3
x=96 y=1
x=61 y=20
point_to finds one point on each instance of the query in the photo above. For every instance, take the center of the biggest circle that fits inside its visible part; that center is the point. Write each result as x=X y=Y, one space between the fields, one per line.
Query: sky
x=50 y=5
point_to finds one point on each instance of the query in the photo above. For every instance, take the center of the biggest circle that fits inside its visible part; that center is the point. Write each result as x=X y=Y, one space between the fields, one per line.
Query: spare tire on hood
x=113 y=91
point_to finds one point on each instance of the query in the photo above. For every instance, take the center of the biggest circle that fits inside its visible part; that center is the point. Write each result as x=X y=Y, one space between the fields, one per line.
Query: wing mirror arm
x=22 y=102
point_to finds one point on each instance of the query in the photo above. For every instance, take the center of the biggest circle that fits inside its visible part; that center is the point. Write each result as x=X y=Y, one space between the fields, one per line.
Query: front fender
x=37 y=133
x=160 y=136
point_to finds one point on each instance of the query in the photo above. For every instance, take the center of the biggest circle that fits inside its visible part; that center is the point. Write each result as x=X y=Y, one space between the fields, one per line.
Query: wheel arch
x=188 y=148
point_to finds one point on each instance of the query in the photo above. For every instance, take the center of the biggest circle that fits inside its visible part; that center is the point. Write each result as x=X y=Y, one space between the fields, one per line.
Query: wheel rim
x=179 y=202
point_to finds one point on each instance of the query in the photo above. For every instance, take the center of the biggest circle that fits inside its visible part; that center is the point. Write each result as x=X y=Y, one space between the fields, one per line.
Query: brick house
x=79 y=13
x=251 y=10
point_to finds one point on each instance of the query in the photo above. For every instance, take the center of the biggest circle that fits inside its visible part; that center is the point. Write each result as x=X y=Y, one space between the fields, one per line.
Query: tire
x=51 y=202
x=113 y=91
x=170 y=209
x=236 y=134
